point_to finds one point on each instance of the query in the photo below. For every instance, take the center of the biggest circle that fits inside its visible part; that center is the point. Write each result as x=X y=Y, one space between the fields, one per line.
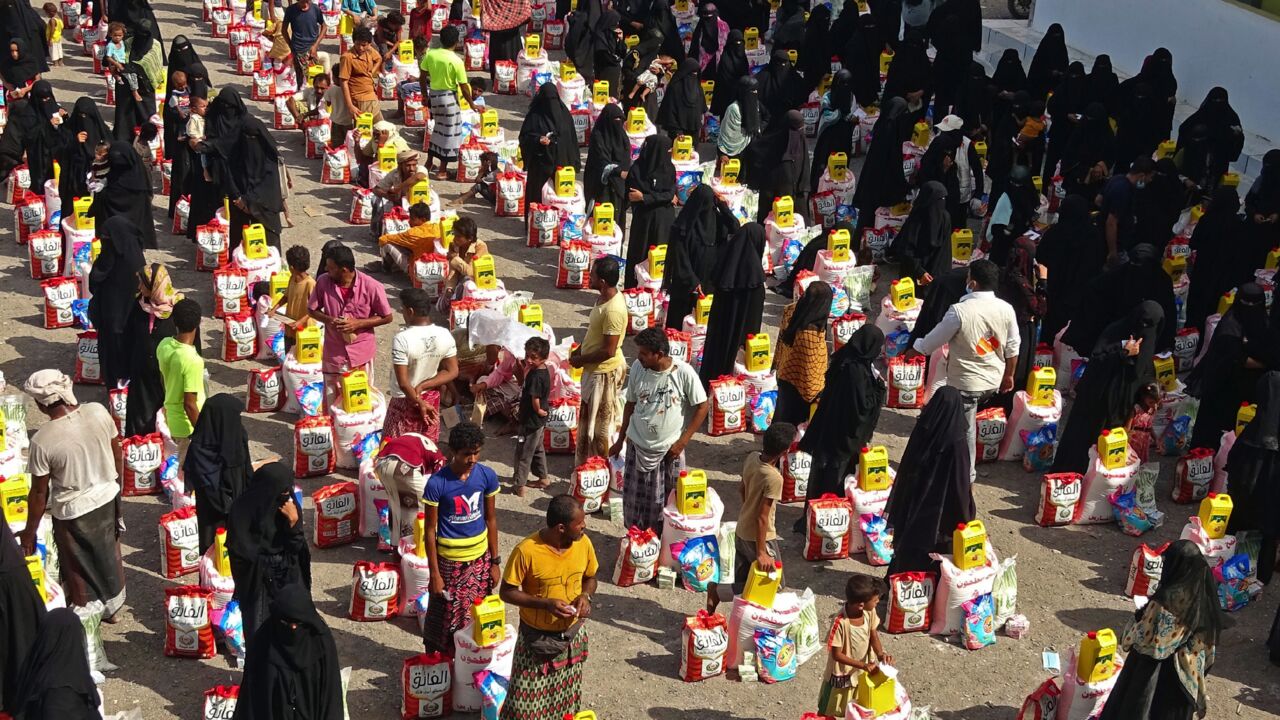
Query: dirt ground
x=1071 y=578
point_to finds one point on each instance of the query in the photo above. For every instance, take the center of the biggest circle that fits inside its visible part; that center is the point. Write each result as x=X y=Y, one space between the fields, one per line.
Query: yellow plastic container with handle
x=600 y=92
x=309 y=344
x=1040 y=384
x=708 y=89
x=531 y=316
x=920 y=134
x=36 y=568
x=702 y=310
x=682 y=149
x=759 y=352
x=969 y=545
x=387 y=158
x=1215 y=513
x=637 y=120
x=489 y=123
x=602 y=219
x=784 y=211
x=875 y=692
x=838 y=166
x=962 y=245
x=405 y=51
x=1244 y=416
x=364 y=124
x=486 y=275
x=446 y=228
x=751 y=39
x=886 y=59
x=1096 y=660
x=254 y=241
x=632 y=41
x=419 y=535
x=566 y=181
x=221 y=557
x=873 y=468
x=1175 y=267
x=420 y=193
x=355 y=391
x=1113 y=448
x=762 y=587
x=1230 y=180
x=1166 y=149
x=657 y=261
x=279 y=283
x=1273 y=259
x=691 y=493
x=792 y=55
x=568 y=71
x=839 y=245
x=489 y=621
x=902 y=293
x=1166 y=371
x=533 y=45
x=13 y=492
x=729 y=171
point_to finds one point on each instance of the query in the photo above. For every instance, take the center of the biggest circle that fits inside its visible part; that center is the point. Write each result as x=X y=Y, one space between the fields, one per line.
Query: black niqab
x=218 y=466
x=113 y=279
x=737 y=281
x=291 y=670
x=609 y=146
x=55 y=680
x=731 y=68
x=24 y=612
x=76 y=157
x=23 y=70
x=945 y=291
x=925 y=237
x=852 y=396
x=1073 y=252
x=1253 y=466
x=547 y=115
x=684 y=103
x=266 y=553
x=882 y=183
x=1102 y=85
x=1049 y=63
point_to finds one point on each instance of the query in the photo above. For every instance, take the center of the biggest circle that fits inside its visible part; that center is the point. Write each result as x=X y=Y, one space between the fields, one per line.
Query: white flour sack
x=188 y=630
x=680 y=528
x=728 y=403
x=1144 y=570
x=1059 y=499
x=222 y=586
x=179 y=543
x=703 y=644
x=296 y=376
x=265 y=393
x=956 y=587
x=1100 y=482
x=1027 y=418
x=906 y=382
x=314 y=449
x=828 y=524
x=747 y=618
x=337 y=514
x=865 y=502
x=427 y=684
x=88 y=366
x=469 y=659
x=415 y=577
x=349 y=428
x=371 y=490
x=375 y=591
x=562 y=426
x=637 y=561
x=220 y=702
x=1083 y=700
x=910 y=602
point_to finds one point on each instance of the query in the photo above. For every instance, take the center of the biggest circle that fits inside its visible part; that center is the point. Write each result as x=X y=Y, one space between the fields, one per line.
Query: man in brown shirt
x=358 y=74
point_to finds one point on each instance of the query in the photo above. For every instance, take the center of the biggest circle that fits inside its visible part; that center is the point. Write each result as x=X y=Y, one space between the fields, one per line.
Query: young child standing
x=297 y=292
x=195 y=131
x=53 y=33
x=534 y=400
x=853 y=647
x=115 y=56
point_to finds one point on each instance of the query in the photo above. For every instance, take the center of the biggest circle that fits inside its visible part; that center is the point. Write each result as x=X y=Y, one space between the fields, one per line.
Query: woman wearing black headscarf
x=21 y=68
x=731 y=68
x=248 y=163
x=651 y=191
x=848 y=411
x=643 y=61
x=932 y=492
x=973 y=100
x=801 y=353
x=1089 y=153
x=176 y=111
x=955 y=28
x=708 y=40
x=882 y=183
x=910 y=76
x=837 y=103
x=184 y=58
x=113 y=282
x=266 y=543
x=1008 y=79
x=41 y=139
x=1156 y=206
x=1073 y=252
x=814 y=59
x=218 y=466
x=55 y=681
x=703 y=226
x=1118 y=290
x=127 y=193
x=1138 y=130
x=21 y=613
x=778 y=164
x=1171 y=644
x=1221 y=262
x=1157 y=71
x=1066 y=106
x=608 y=161
x=1102 y=85
x=608 y=49
x=20 y=22
x=291 y=669
x=1014 y=211
x=1253 y=468
x=741 y=123
x=1022 y=285
x=225 y=117
x=923 y=245
x=1120 y=369
x=663 y=20
x=861 y=56
x=1223 y=137
x=135 y=93
x=939 y=165
x=1049 y=63
x=684 y=103
x=149 y=323
x=788 y=32
x=82 y=130
x=547 y=140
x=579 y=41
x=1229 y=368
x=780 y=88
x=737 y=281
x=1262 y=209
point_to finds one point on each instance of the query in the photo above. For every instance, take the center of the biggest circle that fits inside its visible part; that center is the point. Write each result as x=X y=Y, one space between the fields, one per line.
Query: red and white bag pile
x=509 y=199
x=220 y=702
x=1060 y=495
x=561 y=436
x=1042 y=703
x=239 y=337
x=704 y=642
x=44 y=249
x=640 y=309
x=429 y=272
x=118 y=404
x=141 y=457
x=574 y=268
x=728 y=406
x=188 y=629
x=179 y=543
x=211 y=246
x=1193 y=475
x=314 y=447
x=906 y=381
x=591 y=483
x=88 y=366
x=680 y=345
x=1144 y=570
x=1081 y=700
x=637 y=561
x=337 y=514
x=864 y=502
x=361 y=206
x=1100 y=483
x=375 y=591
x=828 y=523
x=910 y=602
x=58 y=294
x=843 y=328
x=266 y=390
x=336 y=169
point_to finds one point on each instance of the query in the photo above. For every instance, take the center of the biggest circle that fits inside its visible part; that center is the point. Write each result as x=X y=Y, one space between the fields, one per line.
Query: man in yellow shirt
x=550 y=576
x=398 y=250
x=603 y=367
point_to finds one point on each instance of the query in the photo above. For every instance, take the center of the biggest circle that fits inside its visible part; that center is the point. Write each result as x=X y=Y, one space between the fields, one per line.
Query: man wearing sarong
x=603 y=367
x=550 y=576
x=443 y=77
x=72 y=460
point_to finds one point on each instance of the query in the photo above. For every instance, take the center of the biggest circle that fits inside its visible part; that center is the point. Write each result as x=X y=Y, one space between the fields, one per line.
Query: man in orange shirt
x=358 y=73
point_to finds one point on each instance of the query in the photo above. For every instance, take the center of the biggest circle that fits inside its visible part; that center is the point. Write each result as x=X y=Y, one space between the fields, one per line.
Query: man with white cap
x=968 y=163
x=73 y=461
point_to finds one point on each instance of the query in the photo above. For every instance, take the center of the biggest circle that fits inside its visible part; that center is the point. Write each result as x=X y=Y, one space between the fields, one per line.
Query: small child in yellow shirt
x=53 y=33
x=398 y=250
x=296 y=293
x=853 y=646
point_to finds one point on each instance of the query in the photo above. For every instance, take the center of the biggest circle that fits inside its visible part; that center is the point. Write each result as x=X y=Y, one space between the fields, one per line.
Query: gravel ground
x=1071 y=579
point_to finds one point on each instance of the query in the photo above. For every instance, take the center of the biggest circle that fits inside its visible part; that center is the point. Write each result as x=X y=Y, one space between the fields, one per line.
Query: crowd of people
x=1076 y=185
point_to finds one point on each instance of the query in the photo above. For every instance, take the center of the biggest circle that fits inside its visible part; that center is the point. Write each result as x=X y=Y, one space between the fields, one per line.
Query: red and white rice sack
x=1193 y=475
x=426 y=683
x=509 y=199
x=747 y=617
x=1099 y=482
x=296 y=376
x=1084 y=700
x=991 y=428
x=88 y=366
x=469 y=659
x=239 y=337
x=230 y=291
x=179 y=543
x=828 y=525
x=573 y=271
x=637 y=561
x=591 y=483
x=188 y=628
x=141 y=457
x=349 y=428
x=314 y=447
x=728 y=412
x=906 y=382
x=704 y=642
x=429 y=271
x=337 y=514
x=220 y=702
x=796 y=466
x=265 y=392
x=1144 y=570
x=910 y=602
x=58 y=294
x=375 y=591
x=1215 y=550
x=1060 y=495
x=561 y=436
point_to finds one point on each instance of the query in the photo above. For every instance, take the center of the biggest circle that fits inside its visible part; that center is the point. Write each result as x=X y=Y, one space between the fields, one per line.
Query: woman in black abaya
x=1022 y=287
x=861 y=56
x=266 y=543
x=19 y=21
x=21 y=613
x=910 y=76
x=1221 y=262
x=1171 y=644
x=800 y=355
x=76 y=157
x=55 y=681
x=939 y=165
x=708 y=40
x=1229 y=368
x=608 y=49
x=291 y=669
x=729 y=71
x=932 y=492
x=684 y=103
x=1066 y=106
x=43 y=142
x=1262 y=210
x=608 y=161
x=579 y=41
x=1156 y=206
x=1007 y=80
x=218 y=466
x=1073 y=251
x=737 y=305
x=1049 y=63
x=815 y=53
x=113 y=280
x=249 y=165
x=1223 y=137
x=1014 y=211
x=127 y=193
x=781 y=88
x=135 y=94
x=923 y=245
x=955 y=28
x=651 y=190
x=945 y=291
x=882 y=183
x=1103 y=86
x=547 y=140
x=1253 y=466
x=703 y=226
x=1090 y=152
x=1120 y=368
x=741 y=123
x=149 y=323
x=225 y=117
x=848 y=411
x=1111 y=295
x=778 y=165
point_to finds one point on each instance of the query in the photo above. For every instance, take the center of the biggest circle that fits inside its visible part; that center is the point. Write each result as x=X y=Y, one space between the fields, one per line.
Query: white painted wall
x=1214 y=42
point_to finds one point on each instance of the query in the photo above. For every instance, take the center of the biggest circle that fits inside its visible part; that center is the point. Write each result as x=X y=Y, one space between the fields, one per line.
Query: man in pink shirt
x=350 y=304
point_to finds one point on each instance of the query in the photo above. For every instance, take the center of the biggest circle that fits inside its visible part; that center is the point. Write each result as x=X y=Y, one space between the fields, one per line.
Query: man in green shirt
x=443 y=76
x=183 y=371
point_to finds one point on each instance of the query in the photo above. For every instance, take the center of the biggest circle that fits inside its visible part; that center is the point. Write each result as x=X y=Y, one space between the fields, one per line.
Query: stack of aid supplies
x=1034 y=409
x=1092 y=669
x=693 y=510
x=485 y=645
x=755 y=368
x=1234 y=565
x=770 y=631
x=974 y=595
x=868 y=493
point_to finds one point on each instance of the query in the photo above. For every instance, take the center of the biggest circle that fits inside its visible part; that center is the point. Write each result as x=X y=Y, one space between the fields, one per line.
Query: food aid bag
x=264 y=85
x=336 y=169
x=188 y=630
x=775 y=656
x=429 y=272
x=1193 y=475
x=222 y=586
x=704 y=641
x=698 y=560
x=337 y=514
x=979 y=628
x=828 y=523
x=878 y=538
x=1185 y=346
x=1060 y=495
x=796 y=467
x=1144 y=570
x=504 y=77
x=1042 y=703
x=415 y=578
x=141 y=457
x=591 y=483
x=1100 y=483
x=469 y=161
x=314 y=447
x=910 y=602
x=395 y=220
x=375 y=591
x=58 y=294
x=361 y=206
x=239 y=337
x=728 y=403
x=509 y=200
x=179 y=543
x=426 y=681
x=574 y=268
x=318 y=131
x=386 y=85
x=283 y=116
x=371 y=491
x=678 y=528
x=118 y=404
x=266 y=391
x=956 y=587
x=211 y=247
x=220 y=702
x=906 y=381
x=474 y=54
x=844 y=326
x=561 y=436
x=44 y=250
x=1027 y=418
x=865 y=502
x=230 y=292
x=1215 y=550
x=544 y=225
x=640 y=309
x=1084 y=700
x=991 y=426
x=470 y=660
x=88 y=367
x=637 y=561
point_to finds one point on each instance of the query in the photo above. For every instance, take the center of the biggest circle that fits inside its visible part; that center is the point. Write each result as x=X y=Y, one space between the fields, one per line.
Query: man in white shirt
x=981 y=335
x=424 y=358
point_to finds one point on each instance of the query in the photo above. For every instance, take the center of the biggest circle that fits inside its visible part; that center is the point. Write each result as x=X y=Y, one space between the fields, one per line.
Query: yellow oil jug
x=632 y=41
x=1215 y=512
x=420 y=193
x=873 y=469
x=1166 y=372
x=729 y=171
x=83 y=220
x=838 y=166
x=1197 y=212
x=969 y=545
x=1224 y=302
x=582 y=715
x=759 y=352
x=702 y=310
x=657 y=261
x=886 y=59
x=1244 y=416
x=1040 y=385
x=691 y=493
x=446 y=230
x=1096 y=660
x=313 y=71
x=602 y=219
x=902 y=293
x=792 y=55
x=533 y=45
x=751 y=39
x=568 y=72
x=355 y=392
x=279 y=283
x=962 y=245
x=254 y=241
x=875 y=692
x=13 y=492
x=1175 y=267
x=1113 y=448
x=36 y=568
x=637 y=120
x=1038 y=182
x=226 y=207
x=531 y=316
x=486 y=275
x=682 y=149
x=824 y=84
x=419 y=535
x=1273 y=259
x=1166 y=149
x=95 y=249
x=762 y=587
x=345 y=25
x=489 y=616
x=489 y=123
x=405 y=51
x=387 y=158
x=838 y=245
x=920 y=134
x=600 y=92
x=566 y=180
x=784 y=211
x=1230 y=180
x=980 y=148
x=364 y=124
x=708 y=89
x=221 y=557
x=309 y=344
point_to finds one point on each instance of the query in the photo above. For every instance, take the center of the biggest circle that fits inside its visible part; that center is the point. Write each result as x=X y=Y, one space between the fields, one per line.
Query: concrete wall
x=1214 y=42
